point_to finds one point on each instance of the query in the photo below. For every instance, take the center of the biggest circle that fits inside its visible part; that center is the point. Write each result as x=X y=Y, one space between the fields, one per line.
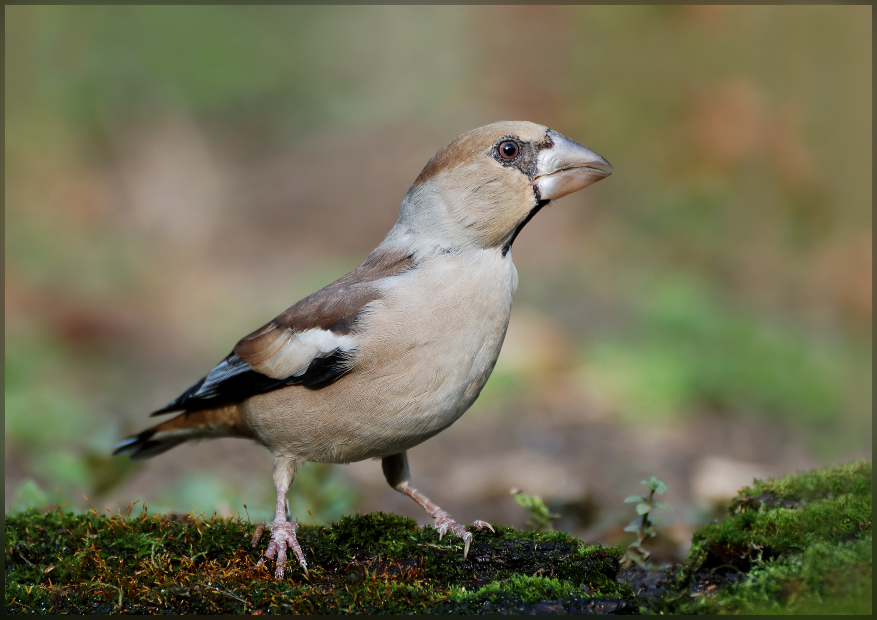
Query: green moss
x=835 y=578
x=529 y=589
x=786 y=515
x=86 y=563
x=533 y=594
x=791 y=544
x=516 y=591
x=800 y=543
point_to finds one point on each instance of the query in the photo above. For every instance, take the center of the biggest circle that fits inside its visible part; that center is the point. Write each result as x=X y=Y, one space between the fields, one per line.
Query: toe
x=283 y=537
x=271 y=550
x=281 y=562
x=297 y=552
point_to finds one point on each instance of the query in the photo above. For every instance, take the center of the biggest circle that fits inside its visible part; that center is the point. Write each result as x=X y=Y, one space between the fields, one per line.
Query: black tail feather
x=145 y=445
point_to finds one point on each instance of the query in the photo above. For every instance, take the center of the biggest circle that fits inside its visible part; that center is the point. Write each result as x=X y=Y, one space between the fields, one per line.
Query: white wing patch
x=291 y=353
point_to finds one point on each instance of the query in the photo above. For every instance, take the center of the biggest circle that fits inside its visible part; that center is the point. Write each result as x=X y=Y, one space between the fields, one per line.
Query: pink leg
x=282 y=531
x=396 y=471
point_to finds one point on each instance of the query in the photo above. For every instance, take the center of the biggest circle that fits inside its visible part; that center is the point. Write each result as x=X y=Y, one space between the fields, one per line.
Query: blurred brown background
x=177 y=176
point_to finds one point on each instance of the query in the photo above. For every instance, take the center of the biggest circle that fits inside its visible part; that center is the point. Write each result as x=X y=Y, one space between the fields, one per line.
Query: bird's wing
x=312 y=344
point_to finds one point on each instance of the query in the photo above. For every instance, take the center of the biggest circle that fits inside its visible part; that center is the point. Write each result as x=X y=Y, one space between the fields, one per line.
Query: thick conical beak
x=567 y=167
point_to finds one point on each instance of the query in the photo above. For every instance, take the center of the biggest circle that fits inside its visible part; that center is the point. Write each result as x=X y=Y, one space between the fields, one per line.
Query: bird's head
x=479 y=190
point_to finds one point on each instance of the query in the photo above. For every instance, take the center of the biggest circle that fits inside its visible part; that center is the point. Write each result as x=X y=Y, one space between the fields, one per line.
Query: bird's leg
x=282 y=530
x=396 y=471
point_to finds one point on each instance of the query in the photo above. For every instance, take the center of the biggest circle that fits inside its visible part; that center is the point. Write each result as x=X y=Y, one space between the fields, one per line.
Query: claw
x=396 y=471
x=467 y=540
x=283 y=536
x=444 y=523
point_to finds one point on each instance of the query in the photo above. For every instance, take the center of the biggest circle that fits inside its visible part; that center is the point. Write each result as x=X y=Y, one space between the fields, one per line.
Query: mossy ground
x=86 y=563
x=796 y=544
x=789 y=545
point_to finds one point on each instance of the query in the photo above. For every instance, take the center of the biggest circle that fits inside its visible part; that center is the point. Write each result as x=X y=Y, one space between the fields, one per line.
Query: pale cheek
x=484 y=203
x=505 y=212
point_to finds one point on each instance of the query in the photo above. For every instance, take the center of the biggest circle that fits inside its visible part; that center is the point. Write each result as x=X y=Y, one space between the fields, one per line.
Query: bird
x=398 y=349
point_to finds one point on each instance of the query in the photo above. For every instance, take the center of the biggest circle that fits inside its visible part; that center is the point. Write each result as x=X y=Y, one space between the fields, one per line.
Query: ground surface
x=800 y=543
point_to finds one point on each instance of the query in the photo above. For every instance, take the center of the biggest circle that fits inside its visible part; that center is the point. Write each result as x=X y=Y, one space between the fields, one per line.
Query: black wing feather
x=321 y=372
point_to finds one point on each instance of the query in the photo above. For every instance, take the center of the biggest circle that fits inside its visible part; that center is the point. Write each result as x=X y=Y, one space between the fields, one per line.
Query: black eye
x=509 y=149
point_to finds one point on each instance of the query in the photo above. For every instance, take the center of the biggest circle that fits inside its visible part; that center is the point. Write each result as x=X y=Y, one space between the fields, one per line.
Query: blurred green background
x=177 y=176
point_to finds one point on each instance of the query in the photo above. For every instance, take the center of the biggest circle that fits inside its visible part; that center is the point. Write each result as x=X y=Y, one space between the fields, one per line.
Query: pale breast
x=429 y=345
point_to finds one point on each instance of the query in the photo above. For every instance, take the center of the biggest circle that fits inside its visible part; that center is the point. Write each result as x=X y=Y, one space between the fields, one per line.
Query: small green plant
x=642 y=526
x=540 y=517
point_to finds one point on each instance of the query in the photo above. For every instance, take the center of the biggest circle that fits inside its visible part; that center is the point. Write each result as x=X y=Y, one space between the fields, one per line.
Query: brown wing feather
x=335 y=308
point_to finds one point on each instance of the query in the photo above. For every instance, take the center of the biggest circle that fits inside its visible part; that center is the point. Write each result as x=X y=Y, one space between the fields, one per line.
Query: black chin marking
x=539 y=204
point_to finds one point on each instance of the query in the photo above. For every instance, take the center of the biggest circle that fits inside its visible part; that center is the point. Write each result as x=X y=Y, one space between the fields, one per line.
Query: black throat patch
x=533 y=211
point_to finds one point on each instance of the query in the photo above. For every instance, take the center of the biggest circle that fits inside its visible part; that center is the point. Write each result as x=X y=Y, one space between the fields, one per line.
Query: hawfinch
x=399 y=348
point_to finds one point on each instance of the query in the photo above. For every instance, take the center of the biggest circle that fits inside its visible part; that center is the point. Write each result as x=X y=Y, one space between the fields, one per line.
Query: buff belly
x=411 y=392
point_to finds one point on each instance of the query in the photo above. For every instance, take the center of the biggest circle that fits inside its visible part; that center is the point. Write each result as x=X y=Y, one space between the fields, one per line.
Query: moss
x=796 y=544
x=835 y=577
x=527 y=594
x=87 y=563
x=783 y=516
x=791 y=544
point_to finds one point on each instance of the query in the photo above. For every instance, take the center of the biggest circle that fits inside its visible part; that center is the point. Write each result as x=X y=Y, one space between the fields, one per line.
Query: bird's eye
x=509 y=149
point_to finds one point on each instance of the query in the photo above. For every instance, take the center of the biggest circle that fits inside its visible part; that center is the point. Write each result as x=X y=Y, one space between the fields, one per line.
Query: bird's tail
x=187 y=426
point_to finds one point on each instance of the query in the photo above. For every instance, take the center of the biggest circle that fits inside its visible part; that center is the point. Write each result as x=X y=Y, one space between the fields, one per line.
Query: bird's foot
x=444 y=524
x=282 y=536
